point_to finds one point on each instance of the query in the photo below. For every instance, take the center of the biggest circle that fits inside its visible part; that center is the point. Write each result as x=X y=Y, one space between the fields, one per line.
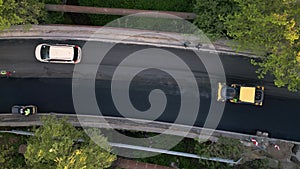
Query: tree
x=9 y=156
x=210 y=14
x=5 y=155
x=15 y=12
x=30 y=11
x=7 y=14
x=270 y=28
x=55 y=145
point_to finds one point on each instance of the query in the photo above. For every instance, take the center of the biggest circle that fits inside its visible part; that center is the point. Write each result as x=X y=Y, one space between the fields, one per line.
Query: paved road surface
x=279 y=114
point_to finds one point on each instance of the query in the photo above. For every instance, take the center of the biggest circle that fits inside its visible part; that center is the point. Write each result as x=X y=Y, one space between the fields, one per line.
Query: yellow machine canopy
x=247 y=94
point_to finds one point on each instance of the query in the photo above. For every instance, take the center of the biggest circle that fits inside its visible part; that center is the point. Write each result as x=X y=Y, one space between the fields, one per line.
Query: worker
x=3 y=72
x=8 y=73
x=27 y=111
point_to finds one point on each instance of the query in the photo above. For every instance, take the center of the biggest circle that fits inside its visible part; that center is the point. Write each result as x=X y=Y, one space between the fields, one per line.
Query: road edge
x=117 y=35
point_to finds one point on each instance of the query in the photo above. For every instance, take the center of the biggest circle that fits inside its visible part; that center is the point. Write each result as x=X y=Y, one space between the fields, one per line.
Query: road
x=49 y=86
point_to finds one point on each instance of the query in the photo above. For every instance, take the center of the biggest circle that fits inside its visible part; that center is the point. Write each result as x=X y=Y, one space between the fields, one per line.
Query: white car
x=59 y=53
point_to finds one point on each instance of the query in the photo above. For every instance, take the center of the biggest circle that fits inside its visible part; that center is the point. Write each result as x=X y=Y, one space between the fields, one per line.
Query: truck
x=237 y=93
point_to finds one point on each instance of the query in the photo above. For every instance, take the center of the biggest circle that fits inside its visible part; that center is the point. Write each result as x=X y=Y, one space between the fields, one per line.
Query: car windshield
x=228 y=93
x=75 y=54
x=45 y=52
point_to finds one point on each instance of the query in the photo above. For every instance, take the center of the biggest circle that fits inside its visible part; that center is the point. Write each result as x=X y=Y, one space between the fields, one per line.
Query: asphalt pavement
x=49 y=86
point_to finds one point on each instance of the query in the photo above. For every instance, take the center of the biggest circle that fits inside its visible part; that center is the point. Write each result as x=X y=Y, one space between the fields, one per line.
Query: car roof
x=61 y=52
x=247 y=94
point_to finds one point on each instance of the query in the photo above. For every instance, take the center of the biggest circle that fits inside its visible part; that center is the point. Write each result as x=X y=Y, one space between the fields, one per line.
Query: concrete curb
x=118 y=35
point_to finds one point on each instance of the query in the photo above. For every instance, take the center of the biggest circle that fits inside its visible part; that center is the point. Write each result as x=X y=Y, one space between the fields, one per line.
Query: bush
x=257 y=164
x=9 y=156
x=211 y=14
x=226 y=148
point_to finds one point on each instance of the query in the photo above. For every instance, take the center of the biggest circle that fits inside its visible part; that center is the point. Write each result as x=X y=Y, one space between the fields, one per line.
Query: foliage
x=53 y=1
x=57 y=18
x=13 y=12
x=30 y=11
x=55 y=145
x=257 y=164
x=52 y=17
x=166 y=5
x=210 y=14
x=7 y=14
x=166 y=160
x=271 y=27
x=224 y=148
x=101 y=20
x=6 y=154
x=185 y=145
x=262 y=23
x=9 y=156
x=283 y=66
x=268 y=27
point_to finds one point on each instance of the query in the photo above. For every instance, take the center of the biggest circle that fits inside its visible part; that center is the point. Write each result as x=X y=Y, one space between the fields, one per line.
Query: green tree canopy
x=20 y=12
x=9 y=155
x=210 y=14
x=55 y=145
x=7 y=15
x=270 y=27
